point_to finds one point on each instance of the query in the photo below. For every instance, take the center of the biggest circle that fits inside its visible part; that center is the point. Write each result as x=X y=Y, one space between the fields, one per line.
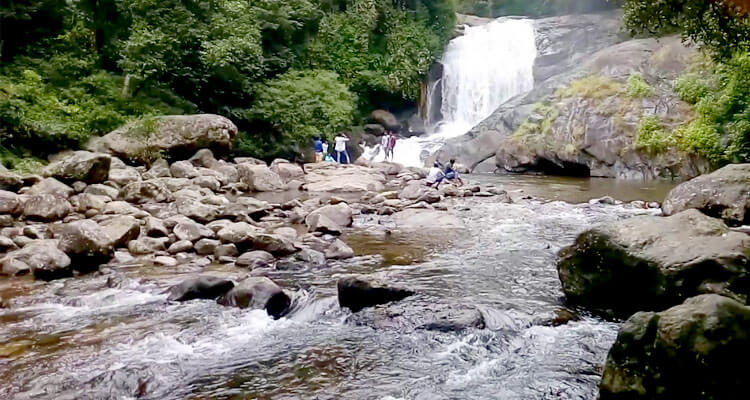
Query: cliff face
x=593 y=88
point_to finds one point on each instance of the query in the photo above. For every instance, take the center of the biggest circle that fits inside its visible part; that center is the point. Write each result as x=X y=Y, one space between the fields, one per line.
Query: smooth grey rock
x=42 y=258
x=258 y=293
x=81 y=166
x=255 y=259
x=46 y=207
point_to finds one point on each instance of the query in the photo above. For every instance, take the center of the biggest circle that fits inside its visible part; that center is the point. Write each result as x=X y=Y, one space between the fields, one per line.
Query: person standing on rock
x=318 y=144
x=392 y=143
x=385 y=142
x=435 y=176
x=325 y=149
x=340 y=148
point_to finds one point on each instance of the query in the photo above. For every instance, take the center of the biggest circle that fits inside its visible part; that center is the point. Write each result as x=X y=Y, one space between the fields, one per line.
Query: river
x=87 y=338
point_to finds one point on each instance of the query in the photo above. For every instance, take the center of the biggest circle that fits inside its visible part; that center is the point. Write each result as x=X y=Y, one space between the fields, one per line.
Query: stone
x=85 y=242
x=311 y=256
x=274 y=244
x=692 y=350
x=78 y=186
x=180 y=246
x=287 y=171
x=206 y=246
x=147 y=245
x=724 y=193
x=201 y=287
x=10 y=202
x=260 y=178
x=287 y=232
x=259 y=293
x=148 y=191
x=120 y=230
x=46 y=207
x=385 y=119
x=85 y=201
x=413 y=190
x=651 y=263
x=81 y=166
x=359 y=292
x=165 y=261
x=190 y=230
x=9 y=181
x=183 y=169
x=339 y=250
x=7 y=244
x=203 y=158
x=226 y=250
x=102 y=190
x=236 y=232
x=207 y=182
x=178 y=136
x=197 y=210
x=421 y=219
x=155 y=227
x=124 y=176
x=42 y=258
x=124 y=208
x=158 y=169
x=334 y=178
x=256 y=259
x=341 y=214
x=321 y=223
x=51 y=186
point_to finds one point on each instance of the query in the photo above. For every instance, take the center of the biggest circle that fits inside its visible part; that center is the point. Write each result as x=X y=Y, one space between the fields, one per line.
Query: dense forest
x=282 y=70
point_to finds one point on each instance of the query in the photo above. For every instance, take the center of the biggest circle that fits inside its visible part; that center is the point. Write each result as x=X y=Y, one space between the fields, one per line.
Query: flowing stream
x=115 y=336
x=482 y=69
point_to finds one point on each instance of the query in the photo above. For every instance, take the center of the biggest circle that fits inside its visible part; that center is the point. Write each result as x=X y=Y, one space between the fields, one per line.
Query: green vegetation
x=591 y=87
x=638 y=87
x=651 y=137
x=498 y=8
x=280 y=69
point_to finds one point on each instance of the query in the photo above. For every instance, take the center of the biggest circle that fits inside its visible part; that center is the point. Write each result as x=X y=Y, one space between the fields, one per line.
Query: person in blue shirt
x=318 y=143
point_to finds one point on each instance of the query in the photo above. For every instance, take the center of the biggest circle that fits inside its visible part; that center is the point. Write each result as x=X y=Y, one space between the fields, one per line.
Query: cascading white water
x=482 y=69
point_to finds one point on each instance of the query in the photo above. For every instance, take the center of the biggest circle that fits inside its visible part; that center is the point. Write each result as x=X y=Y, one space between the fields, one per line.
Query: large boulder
x=201 y=287
x=178 y=136
x=153 y=190
x=335 y=178
x=260 y=178
x=651 y=263
x=42 y=257
x=724 y=193
x=358 y=292
x=339 y=213
x=286 y=170
x=9 y=180
x=691 y=351
x=120 y=230
x=51 y=186
x=81 y=166
x=255 y=259
x=46 y=207
x=384 y=119
x=10 y=203
x=258 y=293
x=85 y=242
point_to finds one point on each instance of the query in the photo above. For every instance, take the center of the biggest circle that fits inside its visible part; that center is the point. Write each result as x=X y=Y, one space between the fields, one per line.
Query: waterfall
x=487 y=66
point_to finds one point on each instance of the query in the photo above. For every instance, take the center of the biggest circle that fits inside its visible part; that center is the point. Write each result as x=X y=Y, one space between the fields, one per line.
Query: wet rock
x=259 y=293
x=124 y=176
x=51 y=186
x=9 y=181
x=722 y=194
x=10 y=203
x=180 y=246
x=226 y=250
x=431 y=315
x=256 y=259
x=165 y=261
x=608 y=200
x=274 y=244
x=385 y=119
x=338 y=250
x=358 y=292
x=188 y=229
x=42 y=258
x=102 y=190
x=7 y=244
x=206 y=246
x=155 y=227
x=201 y=287
x=311 y=256
x=38 y=231
x=236 y=232
x=147 y=245
x=81 y=166
x=147 y=191
x=689 y=351
x=430 y=197
x=321 y=223
x=260 y=178
x=46 y=207
x=632 y=265
x=341 y=214
x=178 y=136
x=120 y=230
x=85 y=242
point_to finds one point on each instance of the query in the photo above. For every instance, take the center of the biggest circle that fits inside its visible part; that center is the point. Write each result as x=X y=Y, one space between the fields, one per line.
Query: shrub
x=651 y=137
x=701 y=138
x=692 y=87
x=638 y=87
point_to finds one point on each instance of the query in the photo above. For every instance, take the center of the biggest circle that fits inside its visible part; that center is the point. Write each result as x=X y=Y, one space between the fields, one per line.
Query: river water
x=81 y=338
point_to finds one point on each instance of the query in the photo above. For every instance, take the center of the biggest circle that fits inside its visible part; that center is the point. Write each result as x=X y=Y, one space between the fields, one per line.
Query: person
x=318 y=144
x=435 y=176
x=451 y=173
x=325 y=149
x=385 y=141
x=392 y=144
x=340 y=148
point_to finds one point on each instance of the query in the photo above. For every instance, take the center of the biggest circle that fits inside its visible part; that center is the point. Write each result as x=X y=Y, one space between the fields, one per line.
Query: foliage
x=20 y=160
x=693 y=86
x=592 y=87
x=637 y=87
x=715 y=25
x=701 y=138
x=498 y=8
x=652 y=137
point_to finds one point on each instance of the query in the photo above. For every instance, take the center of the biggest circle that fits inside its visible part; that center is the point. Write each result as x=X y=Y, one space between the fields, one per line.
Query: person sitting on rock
x=435 y=176
x=451 y=174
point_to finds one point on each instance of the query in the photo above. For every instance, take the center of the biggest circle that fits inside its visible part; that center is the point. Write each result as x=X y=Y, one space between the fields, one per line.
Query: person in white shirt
x=340 y=148
x=385 y=143
x=435 y=176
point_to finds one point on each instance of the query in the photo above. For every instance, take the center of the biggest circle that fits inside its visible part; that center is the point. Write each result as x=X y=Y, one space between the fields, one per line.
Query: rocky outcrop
x=358 y=292
x=260 y=178
x=724 y=193
x=85 y=242
x=651 y=263
x=201 y=287
x=258 y=293
x=329 y=177
x=178 y=136
x=80 y=166
x=41 y=257
x=689 y=351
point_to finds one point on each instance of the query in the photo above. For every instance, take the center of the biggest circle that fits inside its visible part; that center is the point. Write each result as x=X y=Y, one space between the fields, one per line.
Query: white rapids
x=482 y=69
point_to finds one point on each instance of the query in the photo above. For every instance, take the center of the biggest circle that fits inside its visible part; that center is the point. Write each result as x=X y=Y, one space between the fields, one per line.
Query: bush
x=701 y=138
x=651 y=137
x=638 y=87
x=692 y=87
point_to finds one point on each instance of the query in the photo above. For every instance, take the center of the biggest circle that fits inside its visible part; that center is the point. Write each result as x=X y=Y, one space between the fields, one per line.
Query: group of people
x=388 y=143
x=339 y=147
x=438 y=173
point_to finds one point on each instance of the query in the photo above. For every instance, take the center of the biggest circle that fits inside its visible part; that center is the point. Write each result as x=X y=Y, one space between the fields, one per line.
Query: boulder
x=338 y=250
x=255 y=259
x=158 y=169
x=46 y=207
x=260 y=178
x=120 y=230
x=124 y=208
x=188 y=229
x=274 y=244
x=180 y=246
x=335 y=178
x=155 y=227
x=9 y=181
x=178 y=136
x=287 y=171
x=690 y=351
x=413 y=190
x=42 y=257
x=385 y=119
x=10 y=203
x=311 y=256
x=147 y=245
x=724 y=193
x=432 y=315
x=203 y=158
x=84 y=202
x=81 y=166
x=51 y=186
x=651 y=263
x=340 y=214
x=259 y=293
x=183 y=169
x=225 y=250
x=85 y=242
x=196 y=210
x=321 y=223
x=236 y=232
x=358 y=292
x=124 y=176
x=206 y=246
x=102 y=190
x=201 y=287
x=150 y=191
